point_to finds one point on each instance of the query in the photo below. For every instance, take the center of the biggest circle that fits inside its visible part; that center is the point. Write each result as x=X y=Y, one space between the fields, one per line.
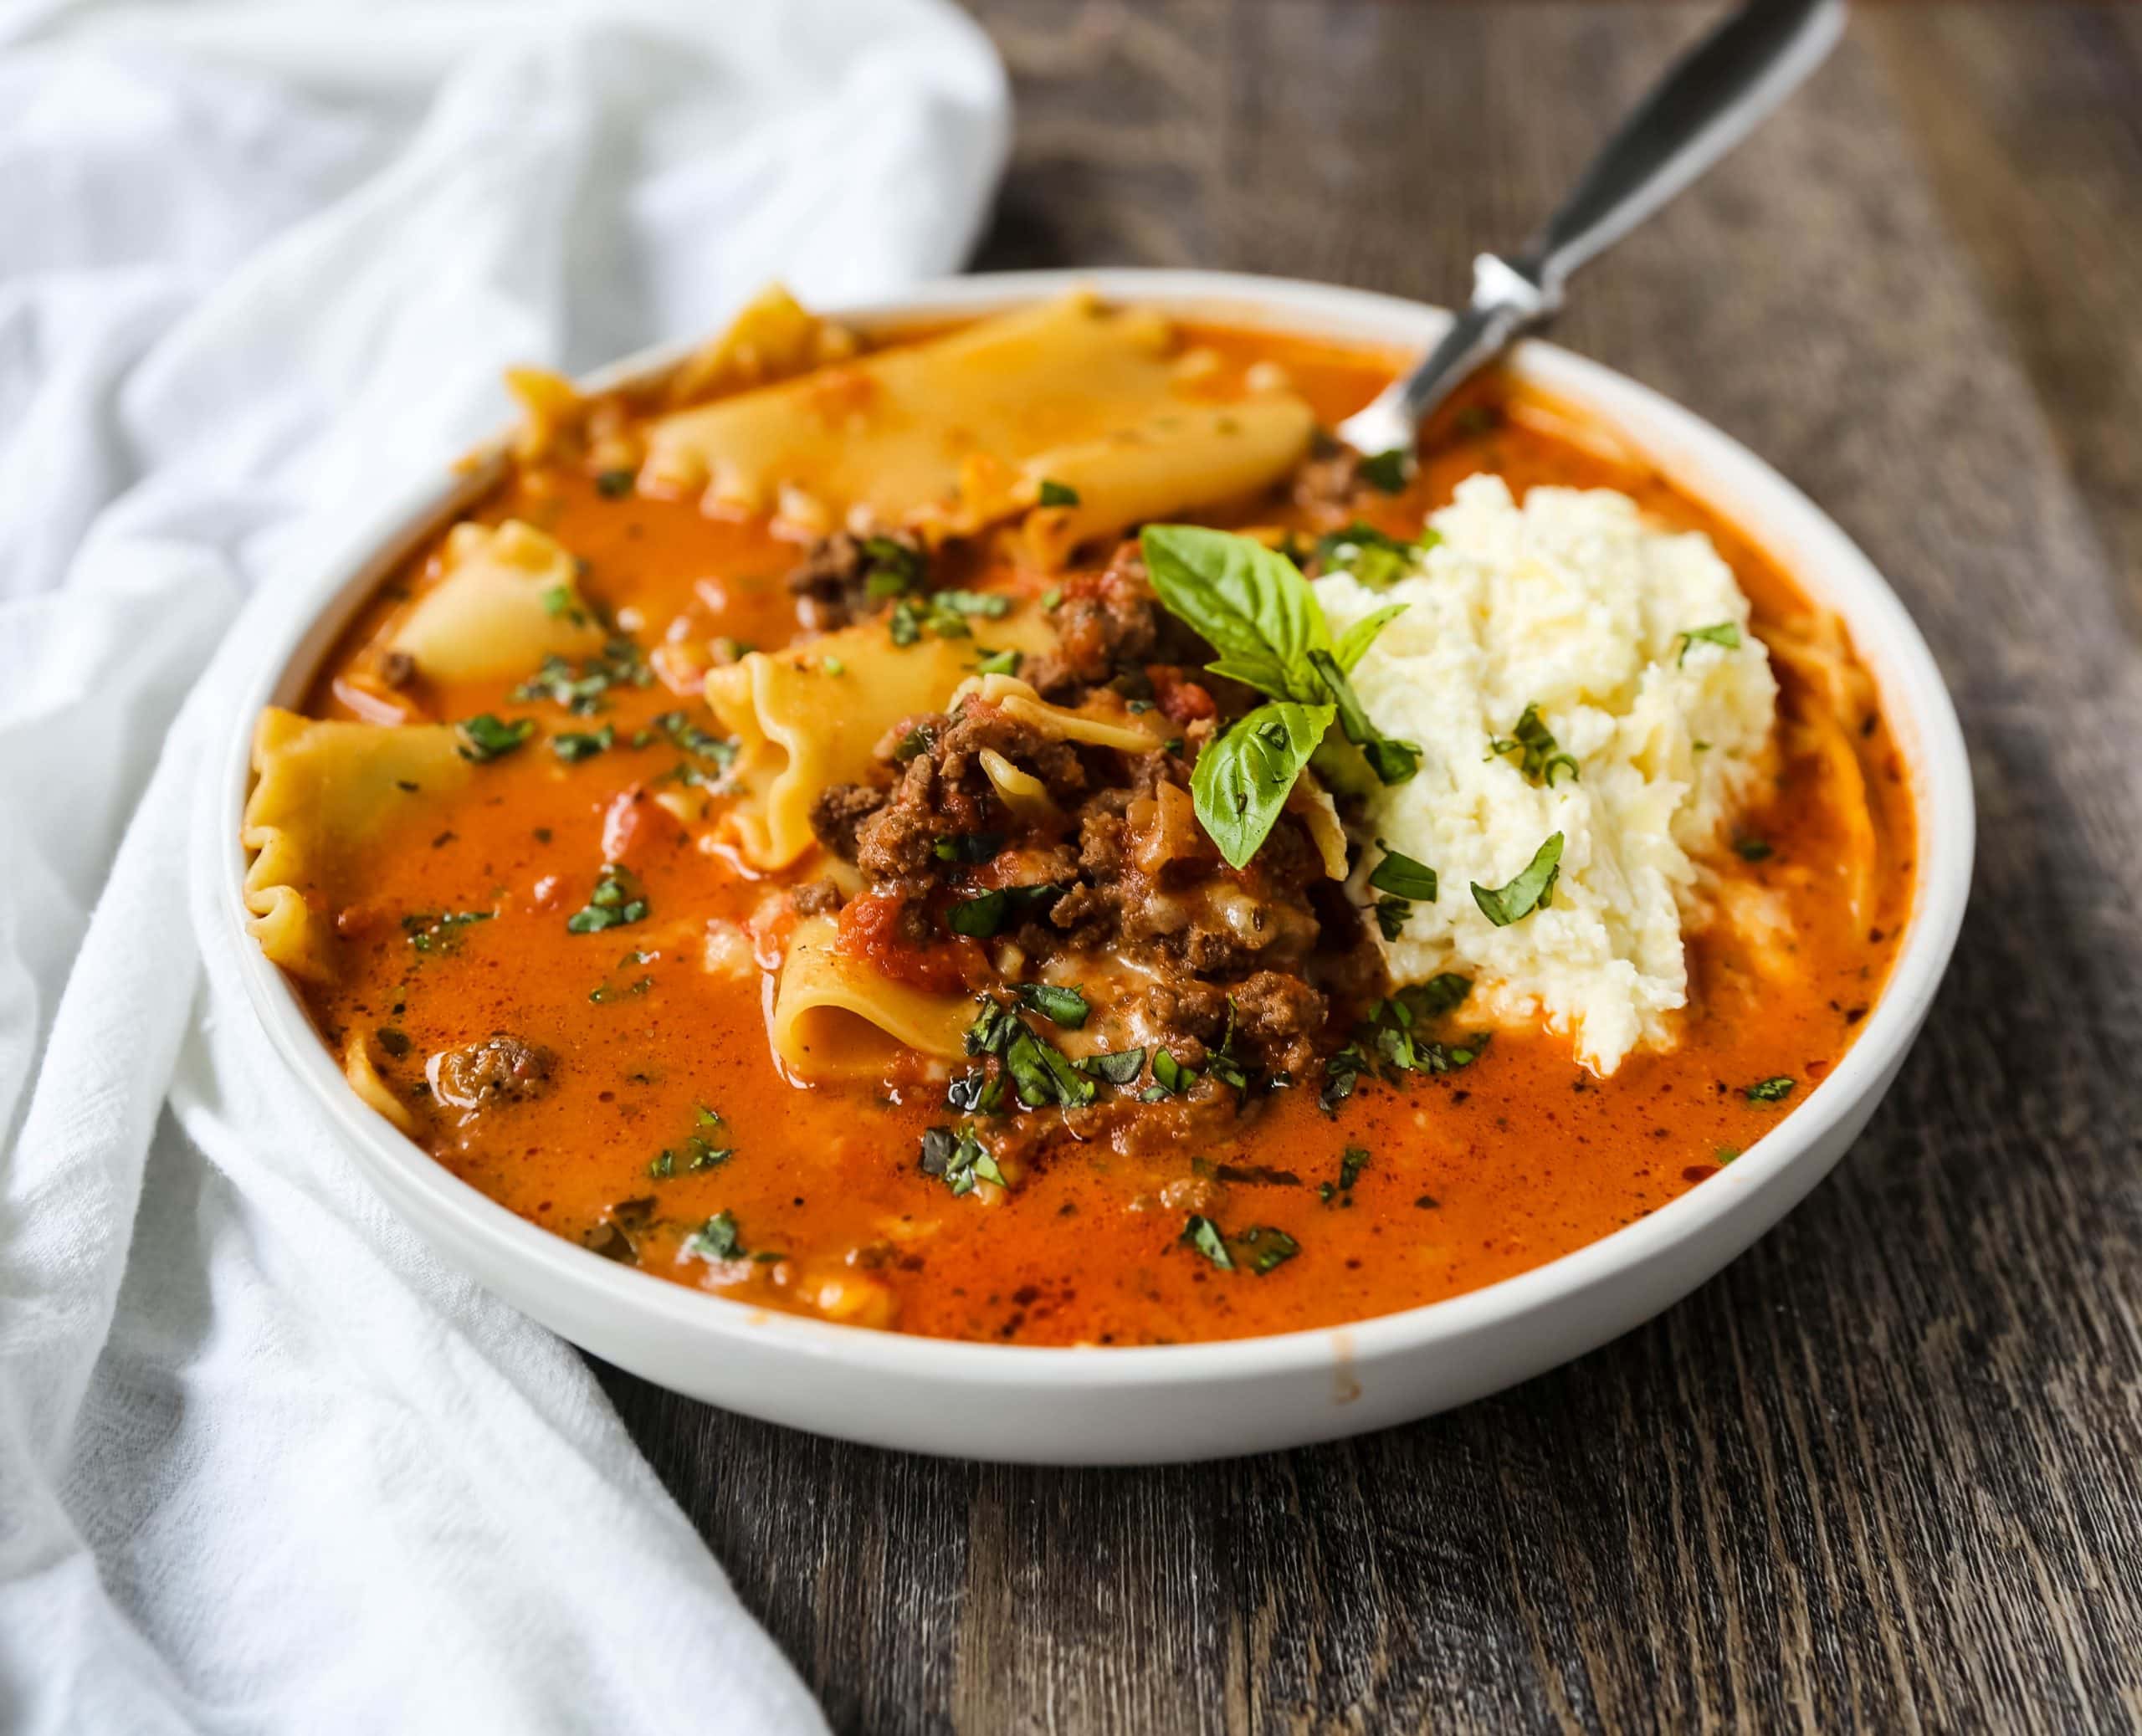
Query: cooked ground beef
x=831 y=583
x=944 y=794
x=819 y=898
x=397 y=669
x=499 y=1068
x=838 y=810
x=1328 y=481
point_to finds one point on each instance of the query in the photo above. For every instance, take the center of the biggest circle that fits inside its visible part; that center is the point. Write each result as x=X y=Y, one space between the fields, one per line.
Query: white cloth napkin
x=265 y=1462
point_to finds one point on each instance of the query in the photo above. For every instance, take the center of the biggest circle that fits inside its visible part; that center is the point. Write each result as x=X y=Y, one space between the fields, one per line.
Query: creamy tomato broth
x=558 y=965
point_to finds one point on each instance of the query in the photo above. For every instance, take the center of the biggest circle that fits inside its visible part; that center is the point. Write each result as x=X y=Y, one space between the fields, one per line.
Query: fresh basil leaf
x=1250 y=602
x=1063 y=1007
x=1119 y=1066
x=959 y=1160
x=1533 y=889
x=1354 y=643
x=1240 y=780
x=1402 y=876
x=1204 y=1234
x=1267 y=674
x=1775 y=1090
x=1726 y=634
x=574 y=748
x=1393 y=761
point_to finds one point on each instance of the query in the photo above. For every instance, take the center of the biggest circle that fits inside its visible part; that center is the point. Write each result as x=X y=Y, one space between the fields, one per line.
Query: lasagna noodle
x=362 y=1072
x=958 y=432
x=834 y=1016
x=507 y=597
x=801 y=728
x=1837 y=693
x=321 y=789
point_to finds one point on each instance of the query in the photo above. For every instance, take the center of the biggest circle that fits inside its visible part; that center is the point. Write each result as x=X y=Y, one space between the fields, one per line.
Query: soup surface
x=557 y=965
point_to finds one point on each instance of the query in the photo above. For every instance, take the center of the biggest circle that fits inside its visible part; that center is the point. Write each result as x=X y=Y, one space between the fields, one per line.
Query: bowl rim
x=1824 y=563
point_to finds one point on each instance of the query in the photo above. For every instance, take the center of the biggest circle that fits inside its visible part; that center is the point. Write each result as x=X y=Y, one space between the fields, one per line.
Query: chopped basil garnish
x=1403 y=875
x=959 y=1160
x=1374 y=559
x=395 y=1042
x=440 y=931
x=979 y=918
x=968 y=847
x=1772 y=1090
x=1267 y=1248
x=975 y=1092
x=619 y=665
x=680 y=728
x=1204 y=1234
x=1119 y=1066
x=1752 y=849
x=484 y=737
x=1533 y=889
x=1056 y=494
x=893 y=568
x=999 y=662
x=1064 y=1006
x=1169 y=1075
x=716 y=1239
x=574 y=748
x=1539 y=759
x=615 y=902
x=1387 y=471
x=614 y=484
x=1392 y=916
x=1039 y=1072
x=1726 y=634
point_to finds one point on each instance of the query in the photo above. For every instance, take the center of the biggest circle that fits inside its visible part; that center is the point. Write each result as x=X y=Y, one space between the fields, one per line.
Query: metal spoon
x=1711 y=100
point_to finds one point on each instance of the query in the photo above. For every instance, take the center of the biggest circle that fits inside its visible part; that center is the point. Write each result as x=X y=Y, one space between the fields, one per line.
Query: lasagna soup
x=1012 y=832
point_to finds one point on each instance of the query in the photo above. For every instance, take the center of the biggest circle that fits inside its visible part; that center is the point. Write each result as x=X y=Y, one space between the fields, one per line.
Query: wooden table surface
x=1887 y=1470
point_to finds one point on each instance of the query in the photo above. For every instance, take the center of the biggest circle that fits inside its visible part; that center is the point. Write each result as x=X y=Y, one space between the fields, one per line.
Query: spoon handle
x=1708 y=101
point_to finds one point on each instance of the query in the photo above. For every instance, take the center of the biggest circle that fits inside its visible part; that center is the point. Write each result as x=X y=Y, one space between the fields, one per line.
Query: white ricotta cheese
x=1574 y=604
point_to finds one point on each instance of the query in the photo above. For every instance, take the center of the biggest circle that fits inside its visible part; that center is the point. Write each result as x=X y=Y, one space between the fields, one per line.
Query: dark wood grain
x=1886 y=1472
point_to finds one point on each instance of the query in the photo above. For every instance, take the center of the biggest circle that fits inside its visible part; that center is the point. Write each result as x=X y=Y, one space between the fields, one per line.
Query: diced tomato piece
x=870 y=930
x=635 y=828
x=1181 y=699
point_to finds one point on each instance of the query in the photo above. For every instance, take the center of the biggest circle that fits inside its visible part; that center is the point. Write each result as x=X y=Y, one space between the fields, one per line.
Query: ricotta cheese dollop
x=1573 y=604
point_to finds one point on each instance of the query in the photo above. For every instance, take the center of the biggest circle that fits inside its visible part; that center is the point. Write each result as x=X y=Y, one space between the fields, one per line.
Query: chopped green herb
x=1052 y=598
x=614 y=484
x=1267 y=1248
x=1726 y=634
x=484 y=737
x=959 y=1160
x=395 y=1042
x=662 y=1165
x=1375 y=559
x=559 y=601
x=619 y=665
x=968 y=847
x=716 y=1240
x=1393 y=761
x=1403 y=875
x=615 y=902
x=1341 y=1073
x=1387 y=471
x=680 y=728
x=1119 y=1066
x=574 y=748
x=975 y=1092
x=1064 y=1006
x=893 y=568
x=979 y=918
x=833 y=666
x=1056 y=494
x=1539 y=759
x=1041 y=1074
x=1204 y=1234
x=999 y=662
x=1752 y=849
x=1170 y=1074
x=1533 y=889
x=904 y=624
x=1772 y=1090
x=1352 y=1161
x=1726 y=1154
x=915 y=743
x=1392 y=916
x=440 y=931
x=603 y=992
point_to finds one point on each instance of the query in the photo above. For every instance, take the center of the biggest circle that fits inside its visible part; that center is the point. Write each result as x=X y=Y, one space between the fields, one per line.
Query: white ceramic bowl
x=1123 y=1406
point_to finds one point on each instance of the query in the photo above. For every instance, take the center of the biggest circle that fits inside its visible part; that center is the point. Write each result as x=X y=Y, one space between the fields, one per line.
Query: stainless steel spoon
x=1711 y=100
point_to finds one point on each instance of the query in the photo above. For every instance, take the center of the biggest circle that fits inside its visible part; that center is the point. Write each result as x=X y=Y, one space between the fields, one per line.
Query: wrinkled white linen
x=265 y=1462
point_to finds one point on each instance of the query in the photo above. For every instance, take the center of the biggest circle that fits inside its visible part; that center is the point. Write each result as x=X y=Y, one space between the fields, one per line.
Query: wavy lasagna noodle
x=836 y=1016
x=961 y=432
x=506 y=597
x=806 y=718
x=323 y=792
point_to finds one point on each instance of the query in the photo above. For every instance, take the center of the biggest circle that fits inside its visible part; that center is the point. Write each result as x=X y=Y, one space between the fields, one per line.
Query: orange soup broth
x=1469 y=1178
